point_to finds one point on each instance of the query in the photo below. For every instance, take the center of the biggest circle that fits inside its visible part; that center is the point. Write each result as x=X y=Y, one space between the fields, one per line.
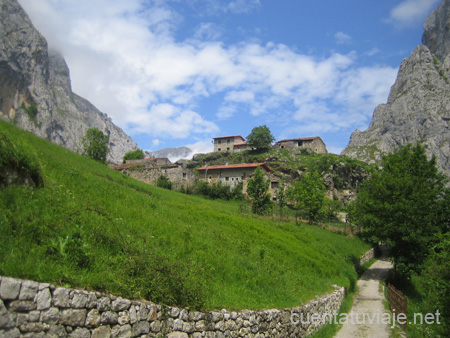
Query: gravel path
x=365 y=319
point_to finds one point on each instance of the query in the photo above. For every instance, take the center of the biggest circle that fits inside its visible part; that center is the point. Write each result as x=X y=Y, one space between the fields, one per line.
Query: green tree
x=137 y=154
x=260 y=138
x=164 y=182
x=309 y=194
x=257 y=189
x=436 y=281
x=95 y=144
x=402 y=205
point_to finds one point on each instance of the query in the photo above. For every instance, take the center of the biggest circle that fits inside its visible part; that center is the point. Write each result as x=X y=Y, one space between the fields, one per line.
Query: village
x=149 y=170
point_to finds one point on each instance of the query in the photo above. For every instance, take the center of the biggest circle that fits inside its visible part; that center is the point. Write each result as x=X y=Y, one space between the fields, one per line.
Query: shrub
x=95 y=144
x=164 y=182
x=134 y=155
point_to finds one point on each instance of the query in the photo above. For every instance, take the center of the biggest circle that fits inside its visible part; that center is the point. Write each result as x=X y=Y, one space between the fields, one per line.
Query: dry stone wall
x=32 y=309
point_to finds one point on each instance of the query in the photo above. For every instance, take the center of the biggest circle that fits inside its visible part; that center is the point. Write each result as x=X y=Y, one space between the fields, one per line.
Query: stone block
x=7 y=320
x=61 y=298
x=120 y=304
x=79 y=300
x=141 y=328
x=104 y=304
x=13 y=333
x=177 y=335
x=73 y=317
x=101 y=332
x=22 y=306
x=80 y=332
x=93 y=318
x=109 y=318
x=10 y=288
x=34 y=327
x=50 y=316
x=28 y=290
x=119 y=331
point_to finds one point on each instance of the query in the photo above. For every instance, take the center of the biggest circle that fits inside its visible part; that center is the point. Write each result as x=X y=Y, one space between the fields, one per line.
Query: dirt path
x=365 y=319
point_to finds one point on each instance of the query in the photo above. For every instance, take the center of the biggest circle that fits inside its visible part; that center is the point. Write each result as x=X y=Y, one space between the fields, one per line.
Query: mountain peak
x=418 y=107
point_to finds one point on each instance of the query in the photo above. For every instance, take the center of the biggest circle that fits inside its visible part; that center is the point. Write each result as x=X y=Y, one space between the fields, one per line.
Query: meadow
x=88 y=226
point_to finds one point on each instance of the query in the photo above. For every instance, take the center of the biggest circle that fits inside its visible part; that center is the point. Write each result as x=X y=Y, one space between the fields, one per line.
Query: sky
x=176 y=73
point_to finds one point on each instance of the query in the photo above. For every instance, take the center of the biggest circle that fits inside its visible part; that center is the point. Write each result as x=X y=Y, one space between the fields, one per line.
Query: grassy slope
x=92 y=227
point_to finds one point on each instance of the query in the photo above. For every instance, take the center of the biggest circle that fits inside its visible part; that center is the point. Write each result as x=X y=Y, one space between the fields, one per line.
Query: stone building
x=233 y=174
x=226 y=143
x=149 y=170
x=315 y=144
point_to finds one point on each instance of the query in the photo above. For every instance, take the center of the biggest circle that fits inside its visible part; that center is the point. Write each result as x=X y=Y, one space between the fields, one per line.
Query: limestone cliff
x=35 y=89
x=418 y=106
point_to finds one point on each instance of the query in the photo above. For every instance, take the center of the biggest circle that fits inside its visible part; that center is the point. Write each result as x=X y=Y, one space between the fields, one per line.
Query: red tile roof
x=240 y=144
x=236 y=166
x=299 y=139
x=234 y=136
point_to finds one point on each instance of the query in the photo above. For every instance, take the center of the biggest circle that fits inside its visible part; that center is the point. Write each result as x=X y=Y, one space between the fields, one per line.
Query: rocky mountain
x=418 y=106
x=173 y=154
x=36 y=93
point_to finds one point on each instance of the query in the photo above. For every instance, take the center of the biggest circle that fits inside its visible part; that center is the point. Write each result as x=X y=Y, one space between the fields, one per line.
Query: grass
x=92 y=227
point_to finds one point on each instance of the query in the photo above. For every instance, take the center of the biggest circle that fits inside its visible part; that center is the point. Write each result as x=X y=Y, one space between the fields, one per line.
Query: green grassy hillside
x=89 y=226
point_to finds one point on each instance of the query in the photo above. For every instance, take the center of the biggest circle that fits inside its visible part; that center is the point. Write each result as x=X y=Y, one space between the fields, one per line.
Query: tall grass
x=89 y=226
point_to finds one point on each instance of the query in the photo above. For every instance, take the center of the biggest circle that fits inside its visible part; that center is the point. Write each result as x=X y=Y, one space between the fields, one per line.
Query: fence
x=398 y=302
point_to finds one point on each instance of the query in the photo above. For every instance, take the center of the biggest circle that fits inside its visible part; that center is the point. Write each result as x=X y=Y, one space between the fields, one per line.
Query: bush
x=164 y=182
x=134 y=155
x=95 y=144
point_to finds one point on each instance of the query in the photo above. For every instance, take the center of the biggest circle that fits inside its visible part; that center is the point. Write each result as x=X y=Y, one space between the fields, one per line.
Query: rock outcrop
x=418 y=106
x=35 y=89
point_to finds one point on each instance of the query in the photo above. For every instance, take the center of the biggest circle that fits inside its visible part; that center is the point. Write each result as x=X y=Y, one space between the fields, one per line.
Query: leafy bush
x=164 y=182
x=95 y=144
x=134 y=155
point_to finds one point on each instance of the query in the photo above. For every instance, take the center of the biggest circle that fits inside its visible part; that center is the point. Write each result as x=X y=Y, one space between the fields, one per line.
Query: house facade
x=314 y=144
x=233 y=174
x=226 y=143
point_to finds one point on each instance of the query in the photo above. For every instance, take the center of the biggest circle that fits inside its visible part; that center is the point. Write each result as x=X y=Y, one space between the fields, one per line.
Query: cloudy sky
x=179 y=72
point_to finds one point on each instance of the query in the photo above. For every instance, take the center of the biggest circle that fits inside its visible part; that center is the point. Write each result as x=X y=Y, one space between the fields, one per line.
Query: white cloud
x=411 y=11
x=125 y=59
x=342 y=38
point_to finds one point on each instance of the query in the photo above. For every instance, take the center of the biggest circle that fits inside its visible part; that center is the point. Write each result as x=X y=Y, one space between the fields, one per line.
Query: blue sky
x=173 y=73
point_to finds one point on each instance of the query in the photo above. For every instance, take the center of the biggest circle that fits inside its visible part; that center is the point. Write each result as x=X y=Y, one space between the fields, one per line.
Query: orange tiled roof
x=234 y=136
x=236 y=166
x=299 y=139
x=240 y=144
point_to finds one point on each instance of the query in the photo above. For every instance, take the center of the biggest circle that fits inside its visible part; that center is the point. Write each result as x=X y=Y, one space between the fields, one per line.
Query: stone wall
x=176 y=174
x=32 y=309
x=366 y=257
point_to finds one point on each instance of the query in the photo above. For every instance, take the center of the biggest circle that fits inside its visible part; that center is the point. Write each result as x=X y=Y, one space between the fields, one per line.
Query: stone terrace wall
x=32 y=309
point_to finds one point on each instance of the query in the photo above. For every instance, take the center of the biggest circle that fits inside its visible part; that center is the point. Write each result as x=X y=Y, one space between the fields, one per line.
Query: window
x=219 y=149
x=227 y=179
x=184 y=176
x=300 y=143
x=228 y=141
x=228 y=149
x=220 y=142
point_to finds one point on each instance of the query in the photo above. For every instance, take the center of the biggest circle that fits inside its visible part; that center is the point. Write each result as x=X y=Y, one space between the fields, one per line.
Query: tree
x=260 y=138
x=308 y=194
x=257 y=189
x=402 y=205
x=137 y=154
x=95 y=144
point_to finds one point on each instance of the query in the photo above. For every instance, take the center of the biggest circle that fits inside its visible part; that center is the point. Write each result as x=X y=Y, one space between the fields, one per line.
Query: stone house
x=233 y=174
x=315 y=144
x=149 y=170
x=227 y=143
